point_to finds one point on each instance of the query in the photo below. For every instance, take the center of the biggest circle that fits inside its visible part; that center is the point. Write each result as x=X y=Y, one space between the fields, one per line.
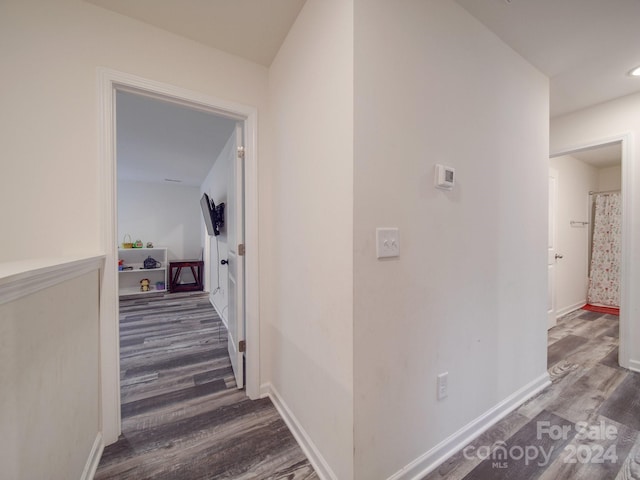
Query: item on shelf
x=126 y=244
x=137 y=244
x=149 y=244
x=144 y=285
x=159 y=285
x=120 y=265
x=151 y=263
x=133 y=270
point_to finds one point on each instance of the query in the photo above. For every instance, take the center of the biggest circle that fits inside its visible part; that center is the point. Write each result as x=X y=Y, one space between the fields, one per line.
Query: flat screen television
x=213 y=215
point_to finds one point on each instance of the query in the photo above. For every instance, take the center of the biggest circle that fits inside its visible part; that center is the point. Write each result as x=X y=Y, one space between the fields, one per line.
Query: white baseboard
x=430 y=460
x=219 y=311
x=634 y=365
x=569 y=309
x=322 y=468
x=94 y=458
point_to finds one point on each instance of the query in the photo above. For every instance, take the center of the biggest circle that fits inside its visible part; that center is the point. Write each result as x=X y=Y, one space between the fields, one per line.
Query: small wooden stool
x=175 y=268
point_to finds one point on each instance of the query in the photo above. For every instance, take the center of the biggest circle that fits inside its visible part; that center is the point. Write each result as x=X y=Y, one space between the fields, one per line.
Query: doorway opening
x=170 y=157
x=113 y=83
x=578 y=276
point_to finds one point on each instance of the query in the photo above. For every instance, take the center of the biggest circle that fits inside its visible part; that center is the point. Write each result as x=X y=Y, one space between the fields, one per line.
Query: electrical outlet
x=443 y=385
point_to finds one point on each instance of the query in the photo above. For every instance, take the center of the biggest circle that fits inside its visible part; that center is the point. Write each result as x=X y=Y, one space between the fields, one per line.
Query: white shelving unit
x=129 y=280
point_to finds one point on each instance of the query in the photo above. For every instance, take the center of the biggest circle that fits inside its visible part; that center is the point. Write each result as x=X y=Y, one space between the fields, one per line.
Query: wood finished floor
x=587 y=386
x=182 y=415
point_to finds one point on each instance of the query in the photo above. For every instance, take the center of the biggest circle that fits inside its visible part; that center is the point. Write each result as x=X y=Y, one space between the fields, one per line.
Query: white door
x=235 y=239
x=552 y=247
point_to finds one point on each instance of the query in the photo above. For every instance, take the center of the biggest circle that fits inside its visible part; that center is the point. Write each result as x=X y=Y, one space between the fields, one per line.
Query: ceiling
x=252 y=29
x=601 y=157
x=585 y=47
x=163 y=142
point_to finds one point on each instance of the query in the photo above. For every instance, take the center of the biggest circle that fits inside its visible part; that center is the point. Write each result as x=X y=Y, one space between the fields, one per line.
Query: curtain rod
x=604 y=192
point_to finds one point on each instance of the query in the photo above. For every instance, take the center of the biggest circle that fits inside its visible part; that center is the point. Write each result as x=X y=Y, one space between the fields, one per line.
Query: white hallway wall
x=468 y=293
x=310 y=296
x=49 y=359
x=164 y=214
x=605 y=121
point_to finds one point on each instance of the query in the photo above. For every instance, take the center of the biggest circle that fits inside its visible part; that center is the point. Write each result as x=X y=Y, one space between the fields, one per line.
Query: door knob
x=224 y=262
x=559 y=256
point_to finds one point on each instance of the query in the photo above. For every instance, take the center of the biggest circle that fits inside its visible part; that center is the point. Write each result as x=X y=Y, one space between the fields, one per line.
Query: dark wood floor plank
x=623 y=405
x=595 y=328
x=592 y=352
x=513 y=466
x=586 y=315
x=459 y=465
x=561 y=382
x=561 y=348
x=148 y=404
x=179 y=360
x=169 y=414
x=212 y=375
x=224 y=423
x=596 y=456
x=565 y=326
x=581 y=400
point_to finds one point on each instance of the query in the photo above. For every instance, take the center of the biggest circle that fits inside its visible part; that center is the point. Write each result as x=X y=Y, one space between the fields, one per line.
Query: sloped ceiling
x=164 y=142
x=252 y=29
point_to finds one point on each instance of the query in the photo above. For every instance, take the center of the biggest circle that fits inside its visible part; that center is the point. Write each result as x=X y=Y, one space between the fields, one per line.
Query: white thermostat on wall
x=445 y=177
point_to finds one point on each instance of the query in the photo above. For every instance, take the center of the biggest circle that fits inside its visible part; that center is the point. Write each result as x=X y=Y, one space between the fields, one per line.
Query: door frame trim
x=110 y=81
x=553 y=173
x=626 y=192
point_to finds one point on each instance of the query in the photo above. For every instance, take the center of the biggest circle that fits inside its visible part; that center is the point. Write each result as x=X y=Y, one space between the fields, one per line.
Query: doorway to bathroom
x=587 y=213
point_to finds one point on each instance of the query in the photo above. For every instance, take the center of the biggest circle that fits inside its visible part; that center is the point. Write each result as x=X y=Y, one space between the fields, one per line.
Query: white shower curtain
x=604 y=279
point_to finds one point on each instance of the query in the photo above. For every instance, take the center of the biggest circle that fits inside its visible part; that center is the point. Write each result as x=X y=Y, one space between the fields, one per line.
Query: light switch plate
x=443 y=385
x=387 y=242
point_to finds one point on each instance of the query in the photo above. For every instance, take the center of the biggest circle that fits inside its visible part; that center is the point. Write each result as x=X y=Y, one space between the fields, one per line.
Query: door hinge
x=242 y=346
x=241 y=249
x=241 y=152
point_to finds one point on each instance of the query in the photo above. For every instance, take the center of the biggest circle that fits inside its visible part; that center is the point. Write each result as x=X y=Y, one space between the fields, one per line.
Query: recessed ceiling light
x=635 y=72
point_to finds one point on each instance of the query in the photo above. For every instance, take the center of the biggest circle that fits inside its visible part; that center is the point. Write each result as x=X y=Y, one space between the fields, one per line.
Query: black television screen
x=209 y=213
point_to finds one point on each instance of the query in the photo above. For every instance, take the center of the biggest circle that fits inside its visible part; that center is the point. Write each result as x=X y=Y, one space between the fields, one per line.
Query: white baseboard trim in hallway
x=430 y=460
x=219 y=311
x=94 y=458
x=634 y=365
x=322 y=468
x=569 y=309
